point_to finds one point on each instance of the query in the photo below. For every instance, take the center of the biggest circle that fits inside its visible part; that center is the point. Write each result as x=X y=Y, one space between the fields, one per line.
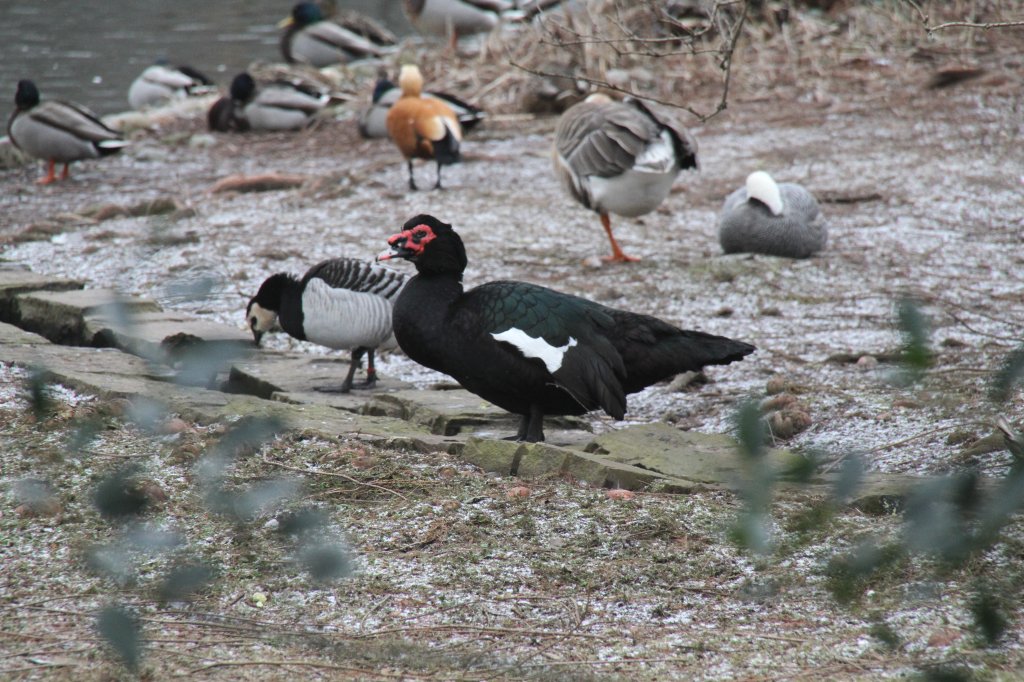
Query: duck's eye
x=418 y=235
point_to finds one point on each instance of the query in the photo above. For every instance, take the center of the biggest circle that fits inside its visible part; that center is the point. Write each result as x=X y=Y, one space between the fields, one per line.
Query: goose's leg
x=617 y=255
x=346 y=385
x=371 y=372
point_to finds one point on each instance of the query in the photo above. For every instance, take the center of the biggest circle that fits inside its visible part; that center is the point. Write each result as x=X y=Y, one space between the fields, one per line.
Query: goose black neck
x=282 y=293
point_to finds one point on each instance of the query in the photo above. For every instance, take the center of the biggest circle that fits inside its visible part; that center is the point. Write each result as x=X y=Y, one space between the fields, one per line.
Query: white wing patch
x=531 y=347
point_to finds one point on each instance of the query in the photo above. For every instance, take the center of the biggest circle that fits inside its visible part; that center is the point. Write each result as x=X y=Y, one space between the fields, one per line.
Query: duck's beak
x=398 y=250
x=286 y=22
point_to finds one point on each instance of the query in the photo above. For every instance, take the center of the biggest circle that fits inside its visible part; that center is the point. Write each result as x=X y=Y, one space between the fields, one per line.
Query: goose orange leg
x=617 y=255
x=50 y=176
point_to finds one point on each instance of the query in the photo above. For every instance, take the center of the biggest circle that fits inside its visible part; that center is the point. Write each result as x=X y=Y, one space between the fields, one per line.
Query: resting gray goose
x=772 y=219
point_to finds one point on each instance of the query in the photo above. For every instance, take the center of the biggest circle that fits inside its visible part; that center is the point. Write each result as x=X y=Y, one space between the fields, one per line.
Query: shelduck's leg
x=412 y=180
x=66 y=173
x=49 y=177
x=371 y=371
x=617 y=255
x=437 y=185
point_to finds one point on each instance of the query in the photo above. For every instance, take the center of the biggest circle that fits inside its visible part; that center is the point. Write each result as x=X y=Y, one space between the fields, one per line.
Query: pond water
x=90 y=52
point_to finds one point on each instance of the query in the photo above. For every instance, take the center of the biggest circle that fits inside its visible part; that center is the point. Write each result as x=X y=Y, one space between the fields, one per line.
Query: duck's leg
x=50 y=176
x=412 y=180
x=617 y=255
x=66 y=173
x=531 y=426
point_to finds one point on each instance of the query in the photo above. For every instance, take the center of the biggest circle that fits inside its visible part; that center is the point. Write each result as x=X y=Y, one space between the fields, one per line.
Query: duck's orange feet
x=50 y=175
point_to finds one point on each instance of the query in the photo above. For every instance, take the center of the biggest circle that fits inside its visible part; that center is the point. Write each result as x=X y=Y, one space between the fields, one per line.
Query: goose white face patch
x=531 y=347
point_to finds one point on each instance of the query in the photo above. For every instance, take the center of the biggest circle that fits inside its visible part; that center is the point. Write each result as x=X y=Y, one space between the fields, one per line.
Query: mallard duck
x=58 y=131
x=619 y=157
x=770 y=218
x=310 y=39
x=275 y=106
x=455 y=18
x=423 y=127
x=373 y=121
x=160 y=84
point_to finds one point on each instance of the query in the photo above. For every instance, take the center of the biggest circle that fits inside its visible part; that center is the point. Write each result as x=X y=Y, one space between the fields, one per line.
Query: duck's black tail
x=654 y=350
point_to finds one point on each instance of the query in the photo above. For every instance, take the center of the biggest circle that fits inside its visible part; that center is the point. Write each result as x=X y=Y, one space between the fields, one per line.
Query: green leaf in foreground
x=120 y=629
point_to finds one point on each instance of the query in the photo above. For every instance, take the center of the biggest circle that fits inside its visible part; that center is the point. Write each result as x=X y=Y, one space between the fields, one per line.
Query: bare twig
x=337 y=475
x=971 y=24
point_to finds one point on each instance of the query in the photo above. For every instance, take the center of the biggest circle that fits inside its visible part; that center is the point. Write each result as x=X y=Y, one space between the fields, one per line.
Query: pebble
x=620 y=494
x=867 y=362
x=518 y=491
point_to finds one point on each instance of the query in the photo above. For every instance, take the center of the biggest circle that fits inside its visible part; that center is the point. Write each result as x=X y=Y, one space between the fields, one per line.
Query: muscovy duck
x=619 y=157
x=373 y=121
x=58 y=131
x=343 y=303
x=310 y=39
x=529 y=349
x=160 y=83
x=777 y=220
x=423 y=127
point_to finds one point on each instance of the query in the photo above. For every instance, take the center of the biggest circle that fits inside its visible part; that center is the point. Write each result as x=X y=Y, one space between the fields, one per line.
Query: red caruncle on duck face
x=410 y=243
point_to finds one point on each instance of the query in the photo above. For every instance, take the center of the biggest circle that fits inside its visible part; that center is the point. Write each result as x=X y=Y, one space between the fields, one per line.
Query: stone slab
x=16 y=336
x=444 y=413
x=60 y=315
x=15 y=280
x=166 y=337
x=293 y=377
x=714 y=459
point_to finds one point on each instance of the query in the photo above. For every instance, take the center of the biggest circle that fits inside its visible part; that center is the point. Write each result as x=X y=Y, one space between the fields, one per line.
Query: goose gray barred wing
x=360 y=276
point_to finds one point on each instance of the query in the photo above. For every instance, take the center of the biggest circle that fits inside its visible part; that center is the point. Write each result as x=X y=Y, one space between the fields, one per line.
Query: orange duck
x=422 y=127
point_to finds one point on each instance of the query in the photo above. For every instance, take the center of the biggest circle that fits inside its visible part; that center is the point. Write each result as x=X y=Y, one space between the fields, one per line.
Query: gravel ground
x=458 y=576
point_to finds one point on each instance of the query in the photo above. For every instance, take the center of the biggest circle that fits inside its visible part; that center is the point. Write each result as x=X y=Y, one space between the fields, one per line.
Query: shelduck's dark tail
x=446 y=150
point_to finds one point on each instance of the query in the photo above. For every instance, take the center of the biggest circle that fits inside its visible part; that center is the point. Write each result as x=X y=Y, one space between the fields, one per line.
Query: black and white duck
x=528 y=349
x=342 y=303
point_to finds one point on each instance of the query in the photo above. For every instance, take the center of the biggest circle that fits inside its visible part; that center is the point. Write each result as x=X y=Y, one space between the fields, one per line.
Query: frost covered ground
x=455 y=578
